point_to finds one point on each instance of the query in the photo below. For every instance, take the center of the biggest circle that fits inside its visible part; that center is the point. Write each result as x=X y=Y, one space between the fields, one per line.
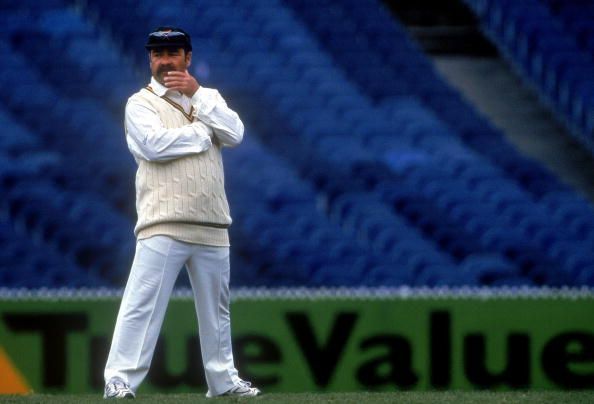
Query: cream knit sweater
x=182 y=198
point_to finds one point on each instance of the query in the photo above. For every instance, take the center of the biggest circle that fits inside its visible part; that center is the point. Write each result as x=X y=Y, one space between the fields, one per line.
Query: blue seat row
x=548 y=45
x=80 y=127
x=266 y=196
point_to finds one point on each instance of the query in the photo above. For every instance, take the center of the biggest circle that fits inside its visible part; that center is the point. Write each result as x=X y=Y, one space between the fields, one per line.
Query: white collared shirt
x=148 y=138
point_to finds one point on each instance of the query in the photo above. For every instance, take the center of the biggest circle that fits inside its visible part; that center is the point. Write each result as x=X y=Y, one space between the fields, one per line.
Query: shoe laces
x=243 y=383
x=119 y=384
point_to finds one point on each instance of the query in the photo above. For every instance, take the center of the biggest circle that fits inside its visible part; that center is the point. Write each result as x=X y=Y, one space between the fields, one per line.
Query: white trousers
x=157 y=263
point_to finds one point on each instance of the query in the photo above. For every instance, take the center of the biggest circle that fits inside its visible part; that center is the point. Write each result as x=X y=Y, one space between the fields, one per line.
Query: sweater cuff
x=204 y=100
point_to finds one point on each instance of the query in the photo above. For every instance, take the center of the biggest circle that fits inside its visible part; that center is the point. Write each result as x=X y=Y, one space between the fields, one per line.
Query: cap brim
x=167 y=45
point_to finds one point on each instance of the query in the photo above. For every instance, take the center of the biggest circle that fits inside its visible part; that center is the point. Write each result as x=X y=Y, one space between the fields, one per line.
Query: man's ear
x=188 y=58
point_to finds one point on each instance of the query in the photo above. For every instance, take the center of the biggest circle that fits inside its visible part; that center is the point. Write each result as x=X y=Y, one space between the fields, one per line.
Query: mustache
x=165 y=69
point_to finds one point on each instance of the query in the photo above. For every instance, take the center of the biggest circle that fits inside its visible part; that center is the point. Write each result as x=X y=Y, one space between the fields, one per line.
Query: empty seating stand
x=360 y=167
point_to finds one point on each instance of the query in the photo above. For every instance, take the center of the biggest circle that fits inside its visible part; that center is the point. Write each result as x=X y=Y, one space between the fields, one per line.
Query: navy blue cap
x=169 y=37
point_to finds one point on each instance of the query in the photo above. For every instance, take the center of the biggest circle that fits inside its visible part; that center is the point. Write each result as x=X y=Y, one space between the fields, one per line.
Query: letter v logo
x=12 y=381
x=322 y=358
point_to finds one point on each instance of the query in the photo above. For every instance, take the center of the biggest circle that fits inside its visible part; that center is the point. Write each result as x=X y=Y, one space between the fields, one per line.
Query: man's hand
x=181 y=81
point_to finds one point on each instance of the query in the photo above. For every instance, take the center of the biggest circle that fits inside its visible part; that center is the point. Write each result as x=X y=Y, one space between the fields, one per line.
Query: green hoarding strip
x=328 y=342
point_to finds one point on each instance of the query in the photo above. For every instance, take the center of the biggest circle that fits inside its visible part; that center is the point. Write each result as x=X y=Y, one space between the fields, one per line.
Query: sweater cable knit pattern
x=182 y=198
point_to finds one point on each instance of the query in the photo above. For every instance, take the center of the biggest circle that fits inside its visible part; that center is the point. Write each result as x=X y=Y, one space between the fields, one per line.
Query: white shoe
x=117 y=388
x=241 y=389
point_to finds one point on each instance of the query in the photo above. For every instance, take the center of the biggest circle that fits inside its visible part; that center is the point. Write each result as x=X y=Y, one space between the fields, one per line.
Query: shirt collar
x=160 y=89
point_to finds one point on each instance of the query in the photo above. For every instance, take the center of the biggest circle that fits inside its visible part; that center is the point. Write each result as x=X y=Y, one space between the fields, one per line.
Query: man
x=175 y=129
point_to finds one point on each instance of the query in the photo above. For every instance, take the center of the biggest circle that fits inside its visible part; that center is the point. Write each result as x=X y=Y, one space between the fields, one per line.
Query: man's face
x=163 y=60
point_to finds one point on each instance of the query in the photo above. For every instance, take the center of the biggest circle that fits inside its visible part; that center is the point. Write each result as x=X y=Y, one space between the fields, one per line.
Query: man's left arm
x=211 y=108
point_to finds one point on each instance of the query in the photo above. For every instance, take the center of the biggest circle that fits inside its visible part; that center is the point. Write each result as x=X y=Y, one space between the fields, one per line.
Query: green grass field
x=448 y=397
